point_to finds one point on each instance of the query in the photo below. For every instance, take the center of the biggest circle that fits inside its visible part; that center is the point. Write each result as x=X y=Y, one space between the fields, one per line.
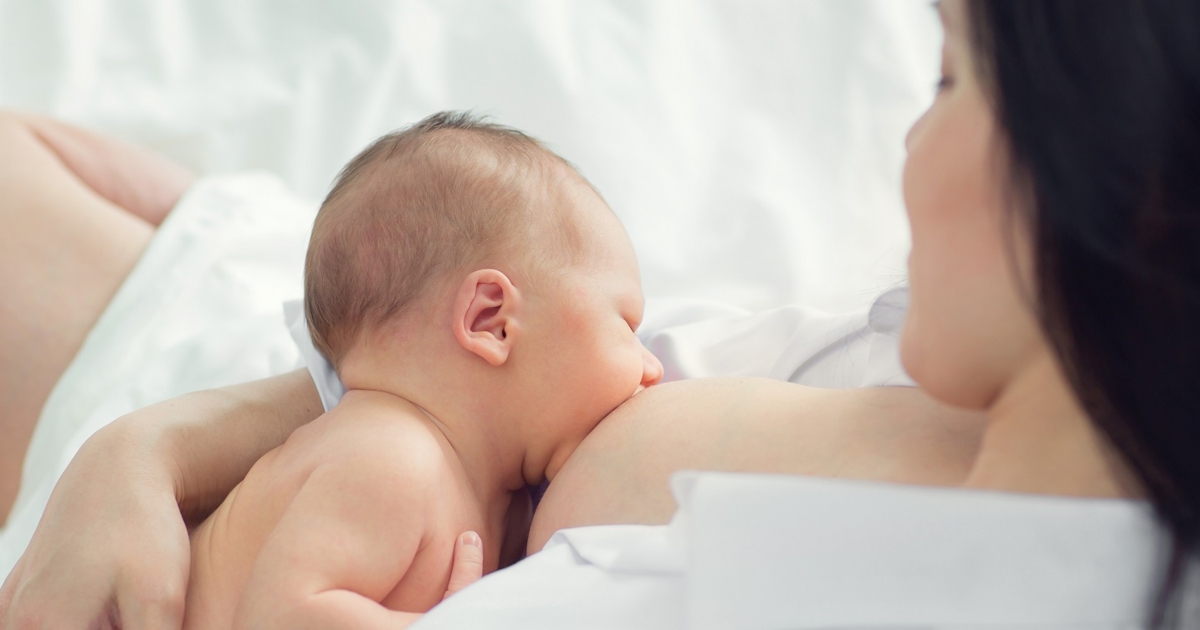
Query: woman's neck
x=1039 y=440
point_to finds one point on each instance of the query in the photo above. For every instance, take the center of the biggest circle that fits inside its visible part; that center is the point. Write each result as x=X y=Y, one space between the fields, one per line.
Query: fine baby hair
x=417 y=204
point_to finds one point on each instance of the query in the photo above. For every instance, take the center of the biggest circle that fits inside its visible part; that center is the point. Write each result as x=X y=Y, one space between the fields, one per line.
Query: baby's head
x=474 y=261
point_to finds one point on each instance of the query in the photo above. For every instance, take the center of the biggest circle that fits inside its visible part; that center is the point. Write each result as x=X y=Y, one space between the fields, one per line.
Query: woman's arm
x=111 y=549
x=212 y=438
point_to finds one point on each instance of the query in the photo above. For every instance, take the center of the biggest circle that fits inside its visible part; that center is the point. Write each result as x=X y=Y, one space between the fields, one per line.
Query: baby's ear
x=484 y=315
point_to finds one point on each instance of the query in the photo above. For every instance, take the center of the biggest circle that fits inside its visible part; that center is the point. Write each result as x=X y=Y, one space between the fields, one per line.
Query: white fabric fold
x=761 y=552
x=329 y=386
x=790 y=552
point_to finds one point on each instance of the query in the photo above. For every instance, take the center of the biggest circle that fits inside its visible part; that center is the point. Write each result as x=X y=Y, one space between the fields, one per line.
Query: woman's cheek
x=945 y=211
x=962 y=296
x=917 y=191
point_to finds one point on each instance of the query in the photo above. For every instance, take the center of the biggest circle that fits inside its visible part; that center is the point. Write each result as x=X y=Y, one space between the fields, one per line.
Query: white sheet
x=752 y=148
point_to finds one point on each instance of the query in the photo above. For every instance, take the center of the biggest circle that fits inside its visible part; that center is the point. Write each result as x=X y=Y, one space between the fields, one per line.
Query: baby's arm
x=344 y=543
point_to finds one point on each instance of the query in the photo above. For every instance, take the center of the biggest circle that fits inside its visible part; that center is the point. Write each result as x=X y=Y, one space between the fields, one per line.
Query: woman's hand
x=111 y=550
x=149 y=591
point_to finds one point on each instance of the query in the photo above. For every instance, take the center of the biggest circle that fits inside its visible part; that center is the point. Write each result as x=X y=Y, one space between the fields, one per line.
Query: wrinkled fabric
x=762 y=552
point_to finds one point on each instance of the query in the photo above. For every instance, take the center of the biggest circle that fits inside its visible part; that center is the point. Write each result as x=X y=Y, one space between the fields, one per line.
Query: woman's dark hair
x=1099 y=102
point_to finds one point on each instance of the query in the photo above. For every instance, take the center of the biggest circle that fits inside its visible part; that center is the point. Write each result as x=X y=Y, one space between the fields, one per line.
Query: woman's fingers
x=468 y=563
x=24 y=603
x=75 y=588
x=111 y=551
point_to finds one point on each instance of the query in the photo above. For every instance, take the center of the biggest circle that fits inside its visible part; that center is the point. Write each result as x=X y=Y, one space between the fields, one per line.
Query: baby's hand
x=468 y=563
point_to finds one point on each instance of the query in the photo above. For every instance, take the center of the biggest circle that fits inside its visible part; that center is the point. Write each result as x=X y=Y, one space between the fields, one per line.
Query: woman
x=1055 y=279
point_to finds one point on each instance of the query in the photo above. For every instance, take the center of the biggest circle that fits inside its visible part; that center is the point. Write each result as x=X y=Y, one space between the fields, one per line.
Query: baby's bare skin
x=481 y=384
x=365 y=503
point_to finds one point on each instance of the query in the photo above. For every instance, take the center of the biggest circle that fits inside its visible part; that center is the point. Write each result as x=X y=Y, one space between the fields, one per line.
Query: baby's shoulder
x=386 y=447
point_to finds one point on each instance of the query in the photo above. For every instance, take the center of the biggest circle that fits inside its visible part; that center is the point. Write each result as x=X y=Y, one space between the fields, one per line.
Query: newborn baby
x=478 y=299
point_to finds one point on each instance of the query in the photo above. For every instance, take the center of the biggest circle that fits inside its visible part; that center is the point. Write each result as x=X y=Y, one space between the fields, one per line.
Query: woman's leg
x=76 y=212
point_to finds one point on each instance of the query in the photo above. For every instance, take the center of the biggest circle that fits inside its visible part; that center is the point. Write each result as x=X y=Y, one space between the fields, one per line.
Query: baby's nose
x=652 y=369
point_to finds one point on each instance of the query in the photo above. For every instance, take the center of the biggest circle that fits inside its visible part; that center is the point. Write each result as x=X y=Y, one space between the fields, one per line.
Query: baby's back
x=380 y=475
x=226 y=544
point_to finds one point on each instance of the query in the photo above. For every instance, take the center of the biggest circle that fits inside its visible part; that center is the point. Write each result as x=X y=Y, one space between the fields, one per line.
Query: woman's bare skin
x=78 y=210
x=620 y=473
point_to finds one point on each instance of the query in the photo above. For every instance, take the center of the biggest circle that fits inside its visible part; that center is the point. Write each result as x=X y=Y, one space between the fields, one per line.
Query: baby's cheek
x=625 y=368
x=602 y=389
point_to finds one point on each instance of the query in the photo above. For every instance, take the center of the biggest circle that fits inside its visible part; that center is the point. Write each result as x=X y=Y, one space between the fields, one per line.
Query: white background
x=752 y=148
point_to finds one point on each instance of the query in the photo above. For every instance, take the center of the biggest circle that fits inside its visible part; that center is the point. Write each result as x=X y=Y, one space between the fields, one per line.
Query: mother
x=1052 y=190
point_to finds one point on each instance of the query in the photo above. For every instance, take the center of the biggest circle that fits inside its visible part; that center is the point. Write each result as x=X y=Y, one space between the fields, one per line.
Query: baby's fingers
x=468 y=563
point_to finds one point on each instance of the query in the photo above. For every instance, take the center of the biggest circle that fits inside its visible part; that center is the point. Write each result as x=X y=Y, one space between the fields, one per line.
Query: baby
x=479 y=300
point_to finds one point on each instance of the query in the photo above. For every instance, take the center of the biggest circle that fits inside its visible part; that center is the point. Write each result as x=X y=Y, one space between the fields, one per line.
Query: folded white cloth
x=766 y=551
x=793 y=343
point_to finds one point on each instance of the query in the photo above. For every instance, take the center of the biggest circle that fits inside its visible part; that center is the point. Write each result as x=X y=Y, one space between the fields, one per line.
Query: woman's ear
x=484 y=315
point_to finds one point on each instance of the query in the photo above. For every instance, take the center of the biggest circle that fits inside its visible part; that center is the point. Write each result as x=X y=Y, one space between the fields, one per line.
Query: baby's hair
x=451 y=190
